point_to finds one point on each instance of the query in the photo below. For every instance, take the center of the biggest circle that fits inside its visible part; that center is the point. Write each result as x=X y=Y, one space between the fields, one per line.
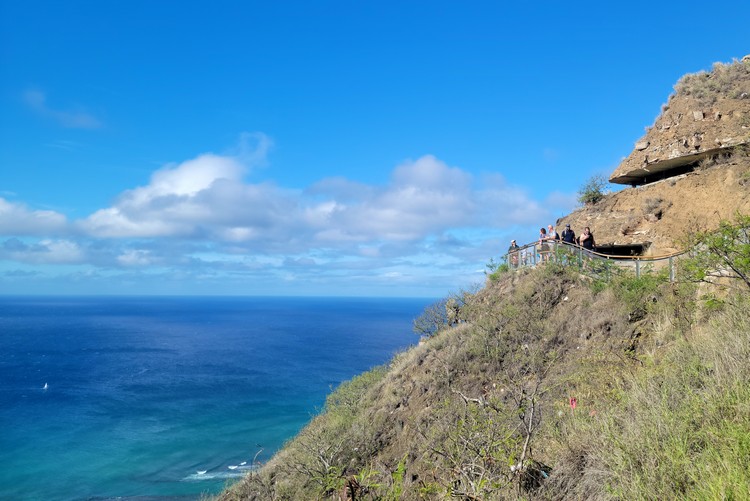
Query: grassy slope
x=663 y=405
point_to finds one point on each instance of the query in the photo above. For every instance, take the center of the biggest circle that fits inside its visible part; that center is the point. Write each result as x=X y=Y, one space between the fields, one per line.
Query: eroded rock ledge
x=708 y=115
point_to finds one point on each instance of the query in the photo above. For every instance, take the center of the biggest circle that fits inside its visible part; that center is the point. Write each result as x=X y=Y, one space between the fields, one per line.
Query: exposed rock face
x=660 y=215
x=708 y=114
x=693 y=165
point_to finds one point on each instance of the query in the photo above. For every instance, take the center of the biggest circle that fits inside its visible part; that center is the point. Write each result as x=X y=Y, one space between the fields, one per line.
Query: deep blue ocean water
x=144 y=393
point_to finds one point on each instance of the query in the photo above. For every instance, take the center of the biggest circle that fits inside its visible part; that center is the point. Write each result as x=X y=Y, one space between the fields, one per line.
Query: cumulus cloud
x=202 y=198
x=72 y=119
x=202 y=219
x=18 y=220
x=422 y=197
x=136 y=257
x=505 y=205
x=45 y=251
x=206 y=198
x=170 y=204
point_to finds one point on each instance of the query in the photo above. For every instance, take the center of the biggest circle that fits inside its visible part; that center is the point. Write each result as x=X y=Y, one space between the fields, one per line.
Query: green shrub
x=432 y=319
x=499 y=271
x=721 y=257
x=593 y=191
x=639 y=294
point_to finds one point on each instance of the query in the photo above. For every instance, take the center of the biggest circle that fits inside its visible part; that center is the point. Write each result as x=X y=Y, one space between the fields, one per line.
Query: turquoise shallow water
x=144 y=393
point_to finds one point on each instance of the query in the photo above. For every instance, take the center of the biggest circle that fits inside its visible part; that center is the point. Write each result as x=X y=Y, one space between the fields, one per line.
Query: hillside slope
x=455 y=417
x=419 y=412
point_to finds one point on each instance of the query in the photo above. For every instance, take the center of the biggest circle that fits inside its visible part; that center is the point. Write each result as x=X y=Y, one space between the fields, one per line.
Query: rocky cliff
x=708 y=114
x=690 y=170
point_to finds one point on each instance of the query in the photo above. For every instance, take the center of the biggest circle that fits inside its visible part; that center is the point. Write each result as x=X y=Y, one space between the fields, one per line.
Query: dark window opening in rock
x=627 y=250
x=677 y=166
x=665 y=174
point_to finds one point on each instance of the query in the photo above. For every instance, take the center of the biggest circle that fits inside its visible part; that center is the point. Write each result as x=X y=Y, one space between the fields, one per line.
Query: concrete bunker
x=673 y=167
x=623 y=250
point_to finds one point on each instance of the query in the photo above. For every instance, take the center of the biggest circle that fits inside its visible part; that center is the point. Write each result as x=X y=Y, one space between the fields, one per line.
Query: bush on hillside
x=432 y=319
x=639 y=294
x=441 y=314
x=721 y=257
x=495 y=270
x=593 y=191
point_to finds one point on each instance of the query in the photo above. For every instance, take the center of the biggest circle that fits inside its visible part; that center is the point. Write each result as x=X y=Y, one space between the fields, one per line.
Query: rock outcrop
x=658 y=216
x=708 y=114
x=691 y=169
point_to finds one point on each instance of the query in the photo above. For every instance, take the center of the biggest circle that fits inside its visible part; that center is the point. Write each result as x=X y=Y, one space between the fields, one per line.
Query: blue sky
x=317 y=148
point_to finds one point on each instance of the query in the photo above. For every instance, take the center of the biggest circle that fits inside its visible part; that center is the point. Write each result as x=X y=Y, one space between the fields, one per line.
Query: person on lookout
x=568 y=235
x=587 y=239
x=513 y=253
x=543 y=246
x=552 y=234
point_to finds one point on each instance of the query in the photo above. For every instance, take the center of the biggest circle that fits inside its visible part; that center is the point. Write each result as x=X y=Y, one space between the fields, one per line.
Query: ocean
x=160 y=398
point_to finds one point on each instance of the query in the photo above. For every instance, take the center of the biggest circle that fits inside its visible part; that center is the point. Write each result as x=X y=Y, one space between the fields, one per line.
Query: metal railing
x=556 y=251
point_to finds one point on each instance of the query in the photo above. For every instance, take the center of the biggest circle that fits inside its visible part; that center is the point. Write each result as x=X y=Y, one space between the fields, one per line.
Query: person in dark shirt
x=568 y=235
x=513 y=254
x=587 y=239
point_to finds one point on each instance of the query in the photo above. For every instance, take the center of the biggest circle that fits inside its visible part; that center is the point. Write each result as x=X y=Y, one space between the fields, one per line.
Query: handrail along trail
x=531 y=254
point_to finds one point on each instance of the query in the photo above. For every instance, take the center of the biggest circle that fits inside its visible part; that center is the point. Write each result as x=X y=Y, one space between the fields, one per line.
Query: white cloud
x=169 y=205
x=18 y=220
x=135 y=257
x=202 y=198
x=504 y=205
x=561 y=202
x=424 y=196
x=428 y=218
x=206 y=199
x=190 y=177
x=60 y=251
x=46 y=251
x=114 y=223
x=72 y=119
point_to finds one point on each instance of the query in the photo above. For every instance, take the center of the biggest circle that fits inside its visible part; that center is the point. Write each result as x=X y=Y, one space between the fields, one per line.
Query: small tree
x=432 y=319
x=724 y=253
x=593 y=191
x=441 y=314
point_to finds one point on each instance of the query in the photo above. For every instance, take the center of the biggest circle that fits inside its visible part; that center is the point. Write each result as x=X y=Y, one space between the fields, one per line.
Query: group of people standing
x=549 y=235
